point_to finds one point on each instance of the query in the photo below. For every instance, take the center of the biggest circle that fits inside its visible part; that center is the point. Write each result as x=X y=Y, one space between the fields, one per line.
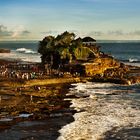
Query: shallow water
x=18 y=128
x=36 y=130
x=108 y=106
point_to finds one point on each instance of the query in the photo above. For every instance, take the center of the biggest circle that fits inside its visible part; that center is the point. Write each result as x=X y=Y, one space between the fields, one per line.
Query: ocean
x=110 y=111
x=125 y=51
x=21 y=50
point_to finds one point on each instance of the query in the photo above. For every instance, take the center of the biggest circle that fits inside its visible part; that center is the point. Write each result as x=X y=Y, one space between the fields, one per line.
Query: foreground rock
x=31 y=104
x=108 y=69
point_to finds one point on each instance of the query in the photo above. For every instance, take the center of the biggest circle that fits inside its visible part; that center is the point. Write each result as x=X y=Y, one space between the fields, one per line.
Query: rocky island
x=82 y=57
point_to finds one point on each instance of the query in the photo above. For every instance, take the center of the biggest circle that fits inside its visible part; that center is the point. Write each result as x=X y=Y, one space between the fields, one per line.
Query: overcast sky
x=100 y=19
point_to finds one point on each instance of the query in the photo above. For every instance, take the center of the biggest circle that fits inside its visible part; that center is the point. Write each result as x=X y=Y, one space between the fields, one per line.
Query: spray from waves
x=108 y=106
x=133 y=60
x=27 y=57
x=25 y=50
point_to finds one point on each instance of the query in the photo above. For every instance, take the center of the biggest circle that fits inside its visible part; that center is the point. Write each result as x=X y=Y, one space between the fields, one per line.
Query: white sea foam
x=101 y=114
x=25 y=50
x=6 y=119
x=25 y=115
x=14 y=55
x=133 y=60
x=133 y=64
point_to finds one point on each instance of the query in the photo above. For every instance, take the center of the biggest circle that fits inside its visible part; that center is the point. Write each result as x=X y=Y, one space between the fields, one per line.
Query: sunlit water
x=126 y=51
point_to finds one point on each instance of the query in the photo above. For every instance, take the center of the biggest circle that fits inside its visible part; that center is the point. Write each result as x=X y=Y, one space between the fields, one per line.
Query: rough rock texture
x=100 y=65
x=107 y=69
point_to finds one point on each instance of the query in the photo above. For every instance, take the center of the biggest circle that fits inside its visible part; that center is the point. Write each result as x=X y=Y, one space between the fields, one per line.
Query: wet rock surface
x=128 y=133
x=27 y=117
x=36 y=130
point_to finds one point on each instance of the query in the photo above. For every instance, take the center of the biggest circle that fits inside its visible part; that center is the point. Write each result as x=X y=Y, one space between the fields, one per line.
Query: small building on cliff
x=88 y=41
x=91 y=43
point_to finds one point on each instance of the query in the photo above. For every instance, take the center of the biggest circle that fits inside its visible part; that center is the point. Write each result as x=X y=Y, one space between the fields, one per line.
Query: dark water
x=122 y=50
x=21 y=50
x=13 y=45
x=36 y=130
x=127 y=51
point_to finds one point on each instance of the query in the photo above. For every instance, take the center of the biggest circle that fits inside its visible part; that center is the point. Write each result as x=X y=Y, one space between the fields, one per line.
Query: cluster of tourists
x=34 y=71
x=15 y=73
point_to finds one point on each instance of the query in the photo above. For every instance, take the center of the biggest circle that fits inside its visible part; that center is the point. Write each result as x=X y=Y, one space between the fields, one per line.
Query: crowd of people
x=24 y=72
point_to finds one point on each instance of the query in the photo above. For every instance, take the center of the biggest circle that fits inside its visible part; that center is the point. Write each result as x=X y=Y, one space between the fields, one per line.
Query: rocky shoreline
x=34 y=100
x=45 y=99
x=49 y=93
x=48 y=106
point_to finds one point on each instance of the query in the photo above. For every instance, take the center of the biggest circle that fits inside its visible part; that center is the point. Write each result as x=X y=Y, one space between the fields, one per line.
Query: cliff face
x=100 y=65
x=107 y=69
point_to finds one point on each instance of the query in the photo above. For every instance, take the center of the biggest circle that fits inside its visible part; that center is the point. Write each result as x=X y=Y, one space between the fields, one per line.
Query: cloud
x=96 y=33
x=17 y=32
x=25 y=32
x=4 y=32
x=122 y=33
x=116 y=33
x=135 y=33
x=50 y=32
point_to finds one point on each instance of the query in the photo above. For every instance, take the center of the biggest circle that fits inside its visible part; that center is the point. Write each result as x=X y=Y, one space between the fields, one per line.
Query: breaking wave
x=25 y=50
x=133 y=60
x=15 y=55
x=107 y=107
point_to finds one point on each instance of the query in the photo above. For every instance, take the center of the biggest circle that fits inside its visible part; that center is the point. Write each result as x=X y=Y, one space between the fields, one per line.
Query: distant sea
x=126 y=51
x=111 y=112
x=21 y=50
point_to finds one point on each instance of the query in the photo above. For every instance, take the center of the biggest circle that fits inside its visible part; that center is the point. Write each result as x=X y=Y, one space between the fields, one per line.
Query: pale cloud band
x=17 y=32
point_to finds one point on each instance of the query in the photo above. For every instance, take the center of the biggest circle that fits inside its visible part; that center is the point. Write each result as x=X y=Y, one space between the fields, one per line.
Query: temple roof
x=88 y=39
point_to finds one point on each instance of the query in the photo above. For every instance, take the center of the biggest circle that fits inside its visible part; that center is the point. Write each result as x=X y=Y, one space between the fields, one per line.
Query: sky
x=100 y=19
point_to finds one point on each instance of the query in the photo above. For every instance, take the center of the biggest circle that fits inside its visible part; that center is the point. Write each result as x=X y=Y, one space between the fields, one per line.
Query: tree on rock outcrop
x=63 y=49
